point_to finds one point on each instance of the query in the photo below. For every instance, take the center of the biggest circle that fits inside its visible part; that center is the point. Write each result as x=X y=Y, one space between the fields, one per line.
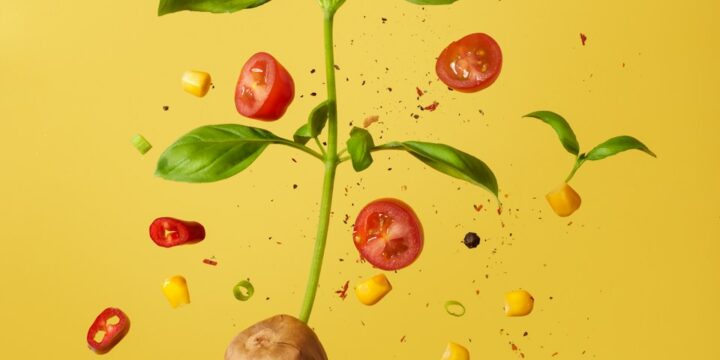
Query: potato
x=281 y=337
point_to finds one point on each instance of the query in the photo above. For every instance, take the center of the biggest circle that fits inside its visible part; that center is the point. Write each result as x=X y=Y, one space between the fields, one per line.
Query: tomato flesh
x=471 y=63
x=264 y=89
x=388 y=234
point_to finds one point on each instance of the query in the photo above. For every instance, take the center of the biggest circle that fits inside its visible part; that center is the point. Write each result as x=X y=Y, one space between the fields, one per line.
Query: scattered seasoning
x=477 y=291
x=384 y=20
x=295 y=186
x=432 y=106
x=389 y=89
x=554 y=354
x=471 y=240
x=525 y=333
x=570 y=223
x=453 y=303
x=370 y=120
x=513 y=347
x=402 y=339
x=293 y=160
x=583 y=38
x=312 y=71
x=347 y=217
x=419 y=92
x=499 y=210
x=210 y=262
x=478 y=207
x=343 y=290
x=313 y=94
x=336 y=67
x=166 y=108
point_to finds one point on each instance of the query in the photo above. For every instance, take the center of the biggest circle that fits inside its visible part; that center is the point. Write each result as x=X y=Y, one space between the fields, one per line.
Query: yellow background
x=635 y=276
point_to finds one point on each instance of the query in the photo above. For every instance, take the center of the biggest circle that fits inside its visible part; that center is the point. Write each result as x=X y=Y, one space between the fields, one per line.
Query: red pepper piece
x=113 y=324
x=169 y=232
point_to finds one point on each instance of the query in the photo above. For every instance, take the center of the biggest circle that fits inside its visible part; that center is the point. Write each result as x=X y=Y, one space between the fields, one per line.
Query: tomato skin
x=264 y=88
x=470 y=64
x=388 y=234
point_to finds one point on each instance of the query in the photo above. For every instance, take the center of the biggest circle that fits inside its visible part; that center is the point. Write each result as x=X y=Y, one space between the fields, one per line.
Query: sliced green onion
x=141 y=143
x=248 y=292
x=452 y=303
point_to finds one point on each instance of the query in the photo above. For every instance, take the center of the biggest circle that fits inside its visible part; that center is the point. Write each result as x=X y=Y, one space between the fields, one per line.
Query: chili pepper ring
x=243 y=285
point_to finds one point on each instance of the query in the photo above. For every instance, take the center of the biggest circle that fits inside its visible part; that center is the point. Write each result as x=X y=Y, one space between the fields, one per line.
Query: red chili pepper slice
x=169 y=232
x=113 y=325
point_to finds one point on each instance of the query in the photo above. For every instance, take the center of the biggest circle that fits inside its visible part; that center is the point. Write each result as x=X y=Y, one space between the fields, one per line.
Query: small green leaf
x=359 y=145
x=451 y=161
x=213 y=6
x=432 y=2
x=315 y=125
x=212 y=153
x=302 y=134
x=318 y=117
x=561 y=127
x=616 y=145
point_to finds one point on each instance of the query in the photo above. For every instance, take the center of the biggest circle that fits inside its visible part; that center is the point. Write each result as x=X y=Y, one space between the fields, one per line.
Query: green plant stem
x=302 y=148
x=320 y=146
x=578 y=163
x=331 y=163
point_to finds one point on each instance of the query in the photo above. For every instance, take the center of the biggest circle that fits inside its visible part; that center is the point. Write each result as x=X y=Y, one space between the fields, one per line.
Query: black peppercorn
x=472 y=240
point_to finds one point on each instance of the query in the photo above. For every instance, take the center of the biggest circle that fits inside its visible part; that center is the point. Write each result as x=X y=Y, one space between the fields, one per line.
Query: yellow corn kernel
x=176 y=291
x=196 y=82
x=455 y=351
x=372 y=290
x=564 y=200
x=518 y=303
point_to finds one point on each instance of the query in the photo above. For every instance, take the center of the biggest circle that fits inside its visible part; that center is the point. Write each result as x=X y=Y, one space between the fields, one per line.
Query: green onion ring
x=141 y=144
x=243 y=285
x=451 y=303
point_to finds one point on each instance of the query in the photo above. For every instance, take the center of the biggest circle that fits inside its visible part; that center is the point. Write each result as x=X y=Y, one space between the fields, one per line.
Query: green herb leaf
x=432 y=2
x=451 y=161
x=616 y=145
x=359 y=145
x=213 y=6
x=212 y=153
x=302 y=134
x=561 y=127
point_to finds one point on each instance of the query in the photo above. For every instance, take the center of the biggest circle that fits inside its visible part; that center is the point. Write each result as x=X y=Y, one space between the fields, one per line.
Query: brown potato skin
x=281 y=337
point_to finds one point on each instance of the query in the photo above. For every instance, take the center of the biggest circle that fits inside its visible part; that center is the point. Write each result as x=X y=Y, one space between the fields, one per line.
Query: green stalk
x=331 y=163
x=578 y=162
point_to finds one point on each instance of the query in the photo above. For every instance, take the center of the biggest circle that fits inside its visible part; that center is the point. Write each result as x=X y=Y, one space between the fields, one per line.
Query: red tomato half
x=388 y=234
x=471 y=63
x=264 y=89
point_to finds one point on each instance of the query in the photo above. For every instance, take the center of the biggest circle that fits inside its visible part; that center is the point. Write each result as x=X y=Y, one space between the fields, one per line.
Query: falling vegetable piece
x=518 y=303
x=281 y=337
x=176 y=291
x=196 y=82
x=243 y=290
x=455 y=351
x=370 y=291
x=168 y=232
x=564 y=200
x=141 y=144
x=107 y=330
x=210 y=262
x=452 y=303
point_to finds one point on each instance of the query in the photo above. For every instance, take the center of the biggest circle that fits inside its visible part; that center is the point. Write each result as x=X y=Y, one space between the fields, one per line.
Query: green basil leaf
x=561 y=127
x=212 y=153
x=318 y=118
x=359 y=145
x=432 y=2
x=616 y=145
x=451 y=161
x=302 y=134
x=213 y=6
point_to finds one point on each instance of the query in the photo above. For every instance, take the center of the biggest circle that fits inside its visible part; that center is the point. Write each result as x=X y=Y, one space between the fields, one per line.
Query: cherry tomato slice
x=169 y=232
x=388 y=234
x=471 y=63
x=264 y=89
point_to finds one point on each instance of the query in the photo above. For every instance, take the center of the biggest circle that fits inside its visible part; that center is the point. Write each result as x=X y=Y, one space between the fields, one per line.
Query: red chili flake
x=499 y=210
x=343 y=291
x=402 y=339
x=432 y=106
x=419 y=92
x=478 y=207
x=514 y=347
x=583 y=38
x=210 y=262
